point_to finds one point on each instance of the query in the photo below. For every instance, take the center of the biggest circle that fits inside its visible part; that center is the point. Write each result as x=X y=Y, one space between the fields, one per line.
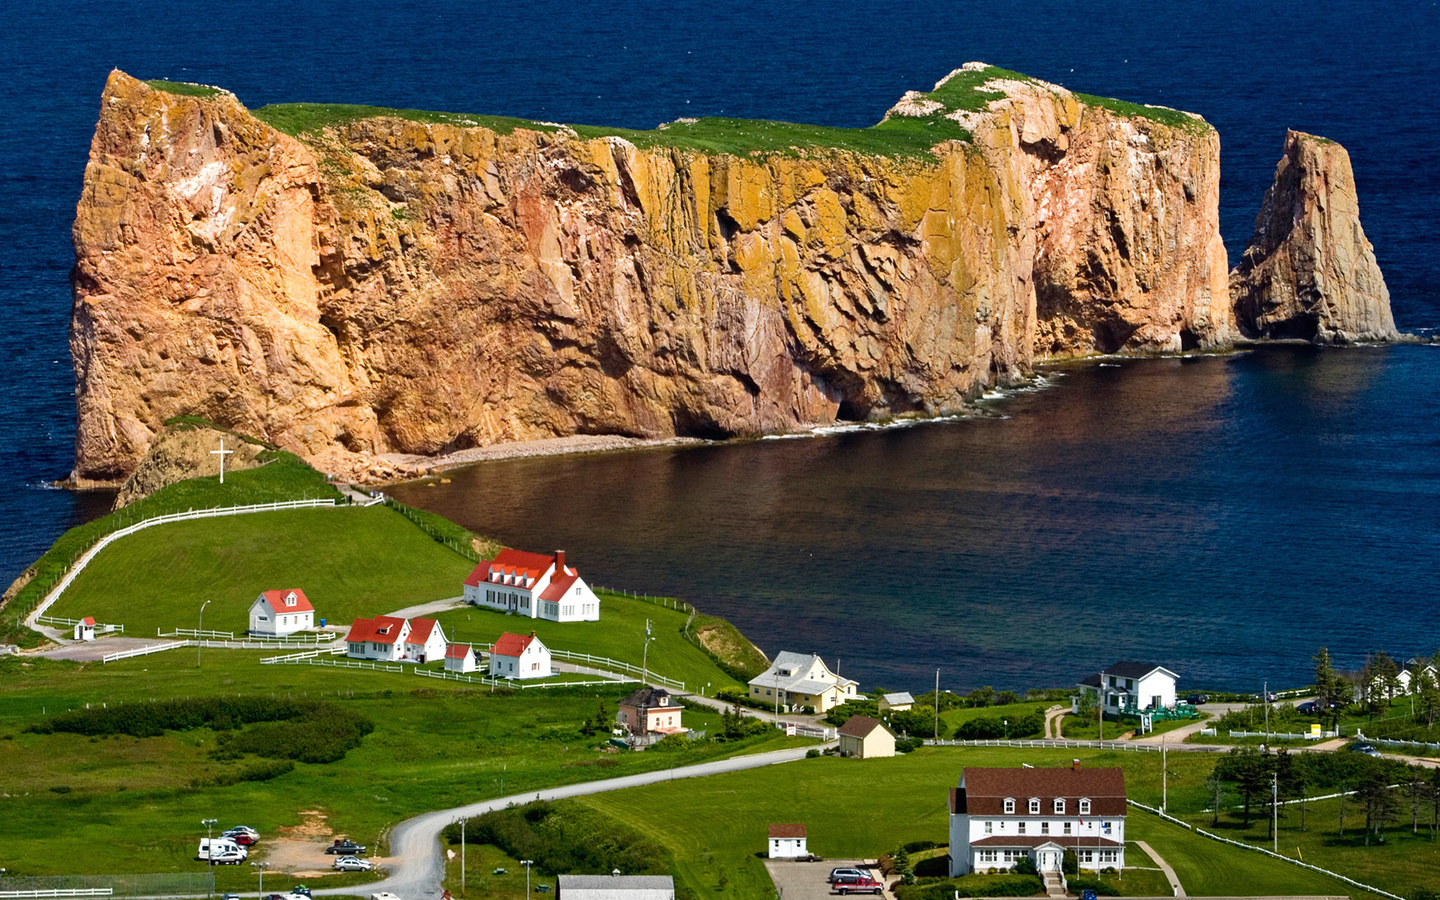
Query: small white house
x=787 y=841
x=277 y=613
x=519 y=656
x=1130 y=688
x=896 y=702
x=425 y=642
x=799 y=680
x=389 y=639
x=85 y=629
x=460 y=658
x=533 y=585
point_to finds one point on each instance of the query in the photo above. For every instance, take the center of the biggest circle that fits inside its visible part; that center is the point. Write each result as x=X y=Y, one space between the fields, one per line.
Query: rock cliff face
x=390 y=285
x=1308 y=271
x=180 y=452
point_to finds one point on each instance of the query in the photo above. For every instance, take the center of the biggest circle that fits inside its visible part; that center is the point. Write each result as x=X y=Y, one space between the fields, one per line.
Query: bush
x=1004 y=884
x=991 y=727
x=908 y=745
x=860 y=706
x=1101 y=887
x=323 y=736
x=564 y=838
x=154 y=718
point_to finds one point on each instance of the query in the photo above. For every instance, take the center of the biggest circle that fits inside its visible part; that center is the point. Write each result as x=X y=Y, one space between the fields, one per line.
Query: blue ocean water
x=1342 y=536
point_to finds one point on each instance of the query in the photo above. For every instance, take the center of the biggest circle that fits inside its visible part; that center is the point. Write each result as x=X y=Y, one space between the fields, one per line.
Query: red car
x=861 y=886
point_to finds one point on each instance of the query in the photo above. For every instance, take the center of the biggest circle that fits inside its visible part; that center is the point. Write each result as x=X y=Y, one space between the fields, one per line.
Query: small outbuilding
x=278 y=613
x=460 y=658
x=520 y=656
x=615 y=887
x=896 y=702
x=650 y=710
x=862 y=737
x=787 y=841
x=85 y=629
x=425 y=641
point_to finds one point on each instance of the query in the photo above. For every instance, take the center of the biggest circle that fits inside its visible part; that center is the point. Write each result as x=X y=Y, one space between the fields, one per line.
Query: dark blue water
x=1360 y=73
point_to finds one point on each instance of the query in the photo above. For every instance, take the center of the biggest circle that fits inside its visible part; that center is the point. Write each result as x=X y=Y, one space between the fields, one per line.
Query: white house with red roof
x=460 y=658
x=85 y=629
x=999 y=816
x=390 y=639
x=278 y=613
x=519 y=656
x=534 y=585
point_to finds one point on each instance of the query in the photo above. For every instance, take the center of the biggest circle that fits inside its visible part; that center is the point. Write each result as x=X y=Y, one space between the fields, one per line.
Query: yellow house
x=797 y=680
x=863 y=737
x=896 y=702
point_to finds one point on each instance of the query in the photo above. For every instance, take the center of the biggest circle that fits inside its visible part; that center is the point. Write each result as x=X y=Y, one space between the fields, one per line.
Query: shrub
x=990 y=727
x=1003 y=884
x=564 y=838
x=323 y=736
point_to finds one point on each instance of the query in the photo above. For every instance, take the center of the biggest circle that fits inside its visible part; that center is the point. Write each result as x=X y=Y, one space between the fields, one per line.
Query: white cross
x=222 y=453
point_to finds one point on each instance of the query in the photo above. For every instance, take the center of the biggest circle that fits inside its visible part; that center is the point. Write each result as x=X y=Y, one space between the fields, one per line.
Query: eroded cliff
x=424 y=283
x=1309 y=272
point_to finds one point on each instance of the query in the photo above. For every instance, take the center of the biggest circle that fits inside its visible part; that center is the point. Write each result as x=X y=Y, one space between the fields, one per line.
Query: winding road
x=419 y=861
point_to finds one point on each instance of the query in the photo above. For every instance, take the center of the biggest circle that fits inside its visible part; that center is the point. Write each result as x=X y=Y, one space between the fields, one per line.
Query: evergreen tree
x=1329 y=686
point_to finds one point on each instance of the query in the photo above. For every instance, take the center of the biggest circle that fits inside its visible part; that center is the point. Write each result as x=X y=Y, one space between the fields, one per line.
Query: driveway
x=795 y=880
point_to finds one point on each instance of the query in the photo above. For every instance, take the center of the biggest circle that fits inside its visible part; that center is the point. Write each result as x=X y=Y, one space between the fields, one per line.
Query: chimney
x=1075 y=765
x=560 y=561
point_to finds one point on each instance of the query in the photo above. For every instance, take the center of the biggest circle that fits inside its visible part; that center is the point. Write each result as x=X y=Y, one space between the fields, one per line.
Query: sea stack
x=1309 y=273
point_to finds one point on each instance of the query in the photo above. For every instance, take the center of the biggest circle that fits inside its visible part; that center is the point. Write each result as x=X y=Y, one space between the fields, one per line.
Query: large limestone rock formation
x=1308 y=271
x=186 y=451
x=392 y=286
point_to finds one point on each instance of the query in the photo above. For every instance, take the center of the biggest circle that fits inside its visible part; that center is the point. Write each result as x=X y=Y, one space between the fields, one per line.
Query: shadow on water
x=1223 y=515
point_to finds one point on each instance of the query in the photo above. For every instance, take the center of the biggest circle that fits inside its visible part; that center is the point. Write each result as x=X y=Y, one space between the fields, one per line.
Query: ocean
x=1226 y=515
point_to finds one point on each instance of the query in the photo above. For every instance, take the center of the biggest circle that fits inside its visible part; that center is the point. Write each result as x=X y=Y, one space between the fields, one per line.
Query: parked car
x=1197 y=699
x=352 y=864
x=300 y=890
x=343 y=847
x=860 y=886
x=1367 y=749
x=243 y=838
x=1309 y=707
x=231 y=897
x=242 y=829
x=384 y=895
x=858 y=873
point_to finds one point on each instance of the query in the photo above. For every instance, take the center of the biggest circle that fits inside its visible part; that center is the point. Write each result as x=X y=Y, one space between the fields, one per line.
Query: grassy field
x=350 y=561
x=128 y=805
x=899 y=136
x=864 y=808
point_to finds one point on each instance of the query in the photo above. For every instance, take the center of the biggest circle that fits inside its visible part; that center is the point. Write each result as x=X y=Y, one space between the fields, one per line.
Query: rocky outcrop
x=179 y=452
x=388 y=285
x=1309 y=272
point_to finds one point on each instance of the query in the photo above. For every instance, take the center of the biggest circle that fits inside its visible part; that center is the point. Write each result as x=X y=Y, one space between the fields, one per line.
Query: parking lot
x=807 y=880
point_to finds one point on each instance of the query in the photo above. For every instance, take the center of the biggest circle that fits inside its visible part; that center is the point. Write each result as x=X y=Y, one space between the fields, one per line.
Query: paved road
x=419 y=861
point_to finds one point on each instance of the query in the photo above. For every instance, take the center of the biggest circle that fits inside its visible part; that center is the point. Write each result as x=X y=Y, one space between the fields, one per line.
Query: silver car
x=352 y=864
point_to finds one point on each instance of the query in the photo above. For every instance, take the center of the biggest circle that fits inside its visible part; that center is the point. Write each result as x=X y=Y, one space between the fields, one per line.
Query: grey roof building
x=616 y=887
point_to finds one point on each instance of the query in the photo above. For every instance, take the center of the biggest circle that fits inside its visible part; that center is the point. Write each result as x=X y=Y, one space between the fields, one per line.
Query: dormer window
x=1059 y=806
x=1009 y=806
x=1034 y=805
x=1085 y=806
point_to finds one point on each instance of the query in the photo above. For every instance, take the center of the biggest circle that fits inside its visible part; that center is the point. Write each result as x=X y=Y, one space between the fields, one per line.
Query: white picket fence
x=59 y=892
x=1294 y=862
x=259 y=640
x=1387 y=742
x=100 y=627
x=302 y=656
x=627 y=668
x=1048 y=743
x=105 y=541
x=143 y=651
x=1281 y=735
x=504 y=682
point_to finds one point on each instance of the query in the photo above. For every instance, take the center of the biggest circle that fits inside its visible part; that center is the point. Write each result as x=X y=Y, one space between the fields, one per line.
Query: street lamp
x=260 y=868
x=199 y=627
x=462 y=821
x=209 y=845
x=527 y=863
x=1007 y=727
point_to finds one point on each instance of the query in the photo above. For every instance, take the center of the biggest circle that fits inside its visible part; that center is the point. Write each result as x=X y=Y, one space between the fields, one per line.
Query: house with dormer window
x=650 y=711
x=1129 y=688
x=533 y=585
x=797 y=680
x=277 y=613
x=1000 y=816
x=391 y=639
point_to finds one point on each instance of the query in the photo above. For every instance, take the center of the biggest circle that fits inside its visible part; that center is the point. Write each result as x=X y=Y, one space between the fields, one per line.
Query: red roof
x=987 y=789
x=379 y=630
x=787 y=831
x=559 y=585
x=420 y=630
x=291 y=601
x=457 y=651
x=517 y=567
x=513 y=645
x=88 y=620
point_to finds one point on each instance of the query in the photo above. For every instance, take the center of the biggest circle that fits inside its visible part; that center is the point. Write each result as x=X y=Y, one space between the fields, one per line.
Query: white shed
x=787 y=841
x=277 y=613
x=460 y=658
x=85 y=629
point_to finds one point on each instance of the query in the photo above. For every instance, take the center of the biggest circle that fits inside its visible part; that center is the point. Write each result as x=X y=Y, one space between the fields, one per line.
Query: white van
x=221 y=851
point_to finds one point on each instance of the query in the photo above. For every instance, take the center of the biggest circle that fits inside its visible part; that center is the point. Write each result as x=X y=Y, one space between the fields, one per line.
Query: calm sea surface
x=1226 y=515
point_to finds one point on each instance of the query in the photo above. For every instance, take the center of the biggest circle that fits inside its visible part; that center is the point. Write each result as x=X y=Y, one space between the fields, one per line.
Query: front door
x=1049 y=861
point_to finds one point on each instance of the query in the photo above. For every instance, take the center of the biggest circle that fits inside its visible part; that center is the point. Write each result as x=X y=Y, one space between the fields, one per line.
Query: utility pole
x=937 y=704
x=462 y=856
x=1275 y=811
x=645 y=656
x=260 y=868
x=209 y=851
x=1266 y=698
x=1164 y=777
x=199 y=627
x=527 y=863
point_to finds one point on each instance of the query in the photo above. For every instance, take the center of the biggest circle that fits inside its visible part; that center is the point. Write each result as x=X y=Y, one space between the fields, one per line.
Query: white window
x=989 y=827
x=1044 y=827
x=1085 y=806
x=1059 y=807
x=1087 y=856
x=1034 y=806
x=987 y=856
x=1009 y=802
x=1067 y=827
x=1020 y=828
x=1107 y=856
x=1104 y=827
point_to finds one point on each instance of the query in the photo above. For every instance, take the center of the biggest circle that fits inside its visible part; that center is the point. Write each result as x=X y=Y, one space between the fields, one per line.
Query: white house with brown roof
x=797 y=680
x=277 y=613
x=787 y=841
x=460 y=658
x=534 y=585
x=519 y=656
x=862 y=737
x=999 y=816
x=391 y=639
x=1130 y=687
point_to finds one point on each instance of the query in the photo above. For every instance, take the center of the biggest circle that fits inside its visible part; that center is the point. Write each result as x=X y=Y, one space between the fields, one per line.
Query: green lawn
x=349 y=561
x=619 y=635
x=1089 y=729
x=125 y=804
